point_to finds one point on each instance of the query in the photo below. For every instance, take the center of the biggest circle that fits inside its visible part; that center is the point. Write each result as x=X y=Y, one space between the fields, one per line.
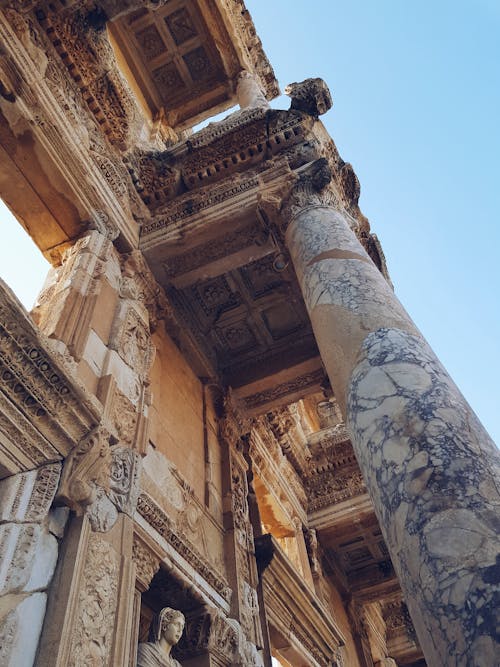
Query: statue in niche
x=166 y=630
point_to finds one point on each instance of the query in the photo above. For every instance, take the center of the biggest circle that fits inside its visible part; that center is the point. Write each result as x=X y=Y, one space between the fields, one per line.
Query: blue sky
x=416 y=90
x=416 y=110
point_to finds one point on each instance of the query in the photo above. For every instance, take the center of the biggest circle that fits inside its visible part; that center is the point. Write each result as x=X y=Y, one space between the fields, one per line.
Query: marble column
x=431 y=469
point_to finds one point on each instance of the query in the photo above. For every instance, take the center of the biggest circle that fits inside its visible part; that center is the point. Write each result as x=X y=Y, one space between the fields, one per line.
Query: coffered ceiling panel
x=183 y=59
x=247 y=318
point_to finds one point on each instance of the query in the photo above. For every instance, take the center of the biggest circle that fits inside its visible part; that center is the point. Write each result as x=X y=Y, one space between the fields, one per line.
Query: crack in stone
x=337 y=254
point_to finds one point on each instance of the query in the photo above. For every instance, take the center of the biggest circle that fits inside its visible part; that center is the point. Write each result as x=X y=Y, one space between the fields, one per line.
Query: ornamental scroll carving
x=100 y=479
x=86 y=51
x=96 y=606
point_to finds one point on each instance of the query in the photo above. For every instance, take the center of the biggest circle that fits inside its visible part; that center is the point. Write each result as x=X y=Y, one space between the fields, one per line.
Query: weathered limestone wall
x=30 y=535
x=176 y=413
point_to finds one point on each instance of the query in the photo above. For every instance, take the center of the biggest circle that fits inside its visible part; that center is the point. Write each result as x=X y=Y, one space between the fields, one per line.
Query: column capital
x=100 y=479
x=312 y=187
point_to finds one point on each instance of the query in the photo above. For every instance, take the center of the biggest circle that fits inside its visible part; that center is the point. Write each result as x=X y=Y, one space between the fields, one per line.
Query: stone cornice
x=38 y=392
x=49 y=103
x=159 y=521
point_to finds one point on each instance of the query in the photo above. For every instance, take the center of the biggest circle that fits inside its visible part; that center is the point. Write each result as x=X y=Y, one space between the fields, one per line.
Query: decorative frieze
x=296 y=385
x=89 y=57
x=158 y=520
x=39 y=393
x=27 y=497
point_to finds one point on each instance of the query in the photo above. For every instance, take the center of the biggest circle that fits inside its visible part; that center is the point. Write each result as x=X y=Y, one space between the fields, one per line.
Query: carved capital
x=209 y=631
x=146 y=561
x=310 y=189
x=100 y=480
x=311 y=96
x=232 y=425
x=86 y=468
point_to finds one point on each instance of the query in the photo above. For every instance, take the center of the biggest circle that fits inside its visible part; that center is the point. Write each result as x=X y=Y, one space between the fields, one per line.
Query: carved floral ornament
x=100 y=479
x=309 y=189
x=147 y=562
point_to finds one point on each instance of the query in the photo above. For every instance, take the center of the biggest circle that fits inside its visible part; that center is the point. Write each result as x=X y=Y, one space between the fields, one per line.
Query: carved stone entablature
x=247 y=139
x=311 y=96
x=397 y=618
x=230 y=14
x=401 y=639
x=36 y=386
x=306 y=383
x=89 y=57
x=157 y=519
x=78 y=161
x=330 y=448
x=334 y=487
x=100 y=479
x=271 y=464
x=333 y=475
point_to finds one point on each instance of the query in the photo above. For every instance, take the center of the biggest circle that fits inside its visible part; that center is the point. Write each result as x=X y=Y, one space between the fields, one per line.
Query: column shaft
x=431 y=468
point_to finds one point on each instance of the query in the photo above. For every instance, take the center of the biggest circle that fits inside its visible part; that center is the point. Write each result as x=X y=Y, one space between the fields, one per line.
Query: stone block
x=20 y=631
x=95 y=353
x=28 y=556
x=27 y=496
x=15 y=495
x=58 y=517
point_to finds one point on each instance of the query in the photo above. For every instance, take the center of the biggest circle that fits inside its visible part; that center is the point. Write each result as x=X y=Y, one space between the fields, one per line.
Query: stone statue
x=249 y=92
x=166 y=630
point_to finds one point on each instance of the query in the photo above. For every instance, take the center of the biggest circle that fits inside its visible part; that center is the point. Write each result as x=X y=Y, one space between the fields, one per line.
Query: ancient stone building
x=217 y=405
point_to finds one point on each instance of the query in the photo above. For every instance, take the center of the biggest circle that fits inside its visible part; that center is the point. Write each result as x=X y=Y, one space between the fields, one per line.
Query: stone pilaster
x=91 y=604
x=431 y=469
x=239 y=541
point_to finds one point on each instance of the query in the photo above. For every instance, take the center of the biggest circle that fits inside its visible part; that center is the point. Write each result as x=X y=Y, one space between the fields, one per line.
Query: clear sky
x=416 y=110
x=416 y=94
